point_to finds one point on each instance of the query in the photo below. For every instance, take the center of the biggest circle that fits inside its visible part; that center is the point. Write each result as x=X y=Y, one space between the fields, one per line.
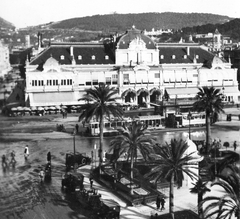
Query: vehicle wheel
x=84 y=161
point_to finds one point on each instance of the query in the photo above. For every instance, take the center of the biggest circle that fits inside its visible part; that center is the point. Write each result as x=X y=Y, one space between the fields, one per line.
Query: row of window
x=62 y=57
x=53 y=82
x=174 y=57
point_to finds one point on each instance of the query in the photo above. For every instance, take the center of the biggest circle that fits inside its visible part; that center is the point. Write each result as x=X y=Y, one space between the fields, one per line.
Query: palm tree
x=200 y=188
x=209 y=100
x=100 y=102
x=133 y=140
x=171 y=162
x=227 y=205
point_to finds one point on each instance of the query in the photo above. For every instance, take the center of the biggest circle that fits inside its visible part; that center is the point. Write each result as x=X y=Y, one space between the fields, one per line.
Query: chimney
x=72 y=56
x=188 y=51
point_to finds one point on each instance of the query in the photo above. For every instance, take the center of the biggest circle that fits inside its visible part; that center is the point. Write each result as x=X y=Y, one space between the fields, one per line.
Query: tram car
x=194 y=119
x=111 y=127
x=152 y=121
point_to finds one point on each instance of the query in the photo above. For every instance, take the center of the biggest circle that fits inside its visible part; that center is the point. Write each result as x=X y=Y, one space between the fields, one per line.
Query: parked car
x=80 y=159
x=72 y=181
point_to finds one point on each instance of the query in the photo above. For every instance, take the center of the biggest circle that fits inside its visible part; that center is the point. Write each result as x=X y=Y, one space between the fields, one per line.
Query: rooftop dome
x=51 y=62
x=134 y=34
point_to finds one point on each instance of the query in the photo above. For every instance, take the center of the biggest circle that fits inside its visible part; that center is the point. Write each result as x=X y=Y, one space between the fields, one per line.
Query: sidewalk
x=183 y=199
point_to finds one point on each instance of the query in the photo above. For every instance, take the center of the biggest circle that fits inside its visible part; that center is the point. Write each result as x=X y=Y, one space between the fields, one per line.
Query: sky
x=23 y=13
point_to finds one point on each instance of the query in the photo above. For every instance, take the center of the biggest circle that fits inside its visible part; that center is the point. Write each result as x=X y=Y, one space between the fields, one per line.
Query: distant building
x=4 y=60
x=141 y=70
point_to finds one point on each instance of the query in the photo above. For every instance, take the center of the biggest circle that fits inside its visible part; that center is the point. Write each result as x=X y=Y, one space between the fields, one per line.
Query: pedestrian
x=26 y=152
x=41 y=175
x=162 y=203
x=77 y=127
x=158 y=202
x=235 y=145
x=91 y=182
x=13 y=156
x=49 y=157
x=4 y=160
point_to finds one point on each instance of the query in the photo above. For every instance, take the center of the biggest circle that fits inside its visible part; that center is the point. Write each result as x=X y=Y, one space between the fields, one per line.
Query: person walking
x=162 y=203
x=13 y=157
x=4 y=160
x=77 y=128
x=235 y=145
x=41 y=175
x=26 y=152
x=158 y=202
x=91 y=182
x=49 y=157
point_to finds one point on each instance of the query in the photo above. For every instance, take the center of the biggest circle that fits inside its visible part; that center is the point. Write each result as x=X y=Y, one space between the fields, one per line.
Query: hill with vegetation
x=143 y=21
x=230 y=28
x=5 y=24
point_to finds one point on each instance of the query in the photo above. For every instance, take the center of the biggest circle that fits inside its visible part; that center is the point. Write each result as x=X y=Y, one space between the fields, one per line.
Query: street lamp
x=189 y=119
x=74 y=150
x=95 y=149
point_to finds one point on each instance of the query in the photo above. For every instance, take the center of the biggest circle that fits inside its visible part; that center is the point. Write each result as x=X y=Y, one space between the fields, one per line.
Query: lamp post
x=74 y=150
x=189 y=119
x=95 y=149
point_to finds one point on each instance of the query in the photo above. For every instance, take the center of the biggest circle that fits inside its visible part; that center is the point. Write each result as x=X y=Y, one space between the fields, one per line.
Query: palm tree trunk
x=200 y=210
x=208 y=132
x=100 y=144
x=171 y=195
x=131 y=175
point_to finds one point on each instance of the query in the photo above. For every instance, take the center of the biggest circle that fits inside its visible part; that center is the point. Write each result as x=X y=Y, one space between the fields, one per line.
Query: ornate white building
x=5 y=66
x=141 y=70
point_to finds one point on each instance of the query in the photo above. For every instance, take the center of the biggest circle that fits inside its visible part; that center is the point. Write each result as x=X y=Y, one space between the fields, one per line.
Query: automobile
x=77 y=160
x=72 y=181
x=109 y=209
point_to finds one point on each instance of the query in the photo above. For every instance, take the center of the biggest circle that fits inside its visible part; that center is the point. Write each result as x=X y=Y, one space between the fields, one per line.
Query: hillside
x=231 y=29
x=122 y=22
x=5 y=24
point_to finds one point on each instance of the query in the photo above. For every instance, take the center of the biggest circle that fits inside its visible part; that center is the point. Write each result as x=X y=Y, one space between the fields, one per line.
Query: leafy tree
x=209 y=100
x=171 y=162
x=100 y=102
x=227 y=205
x=134 y=139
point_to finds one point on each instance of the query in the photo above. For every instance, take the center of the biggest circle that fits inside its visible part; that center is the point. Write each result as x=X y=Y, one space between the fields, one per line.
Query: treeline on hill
x=5 y=24
x=121 y=22
x=231 y=29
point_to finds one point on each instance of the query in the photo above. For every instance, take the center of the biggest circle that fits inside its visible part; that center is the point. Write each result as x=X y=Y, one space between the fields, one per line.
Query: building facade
x=140 y=69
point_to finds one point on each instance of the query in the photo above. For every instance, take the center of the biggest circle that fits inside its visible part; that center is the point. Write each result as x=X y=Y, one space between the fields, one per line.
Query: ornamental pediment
x=137 y=44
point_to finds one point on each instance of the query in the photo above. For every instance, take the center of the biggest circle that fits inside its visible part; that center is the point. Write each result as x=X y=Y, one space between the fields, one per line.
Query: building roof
x=184 y=53
x=83 y=54
x=130 y=35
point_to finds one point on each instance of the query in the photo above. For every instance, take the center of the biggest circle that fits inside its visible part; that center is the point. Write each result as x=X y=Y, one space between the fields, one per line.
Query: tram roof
x=150 y=117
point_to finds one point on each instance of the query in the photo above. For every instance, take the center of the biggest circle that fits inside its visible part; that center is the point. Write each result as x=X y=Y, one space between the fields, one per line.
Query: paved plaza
x=21 y=195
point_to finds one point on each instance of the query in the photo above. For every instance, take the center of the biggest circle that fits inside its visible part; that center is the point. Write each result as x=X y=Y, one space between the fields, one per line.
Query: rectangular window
x=108 y=80
x=32 y=82
x=35 y=82
x=88 y=83
x=125 y=78
x=54 y=82
x=70 y=81
x=157 y=75
x=95 y=82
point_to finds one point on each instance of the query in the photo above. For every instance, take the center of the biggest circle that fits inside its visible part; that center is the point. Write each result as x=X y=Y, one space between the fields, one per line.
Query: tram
x=111 y=127
x=196 y=119
x=152 y=121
